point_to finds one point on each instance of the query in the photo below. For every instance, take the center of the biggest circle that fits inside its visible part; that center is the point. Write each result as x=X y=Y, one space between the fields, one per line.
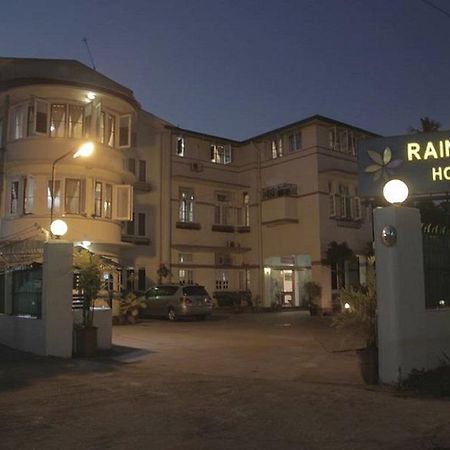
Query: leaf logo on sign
x=383 y=164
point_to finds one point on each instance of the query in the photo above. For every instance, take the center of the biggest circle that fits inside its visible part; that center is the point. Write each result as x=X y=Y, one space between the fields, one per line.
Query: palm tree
x=427 y=125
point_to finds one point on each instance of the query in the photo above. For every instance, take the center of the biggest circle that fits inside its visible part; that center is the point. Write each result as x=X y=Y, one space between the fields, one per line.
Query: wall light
x=58 y=228
x=86 y=243
x=395 y=192
x=91 y=96
x=347 y=306
x=267 y=270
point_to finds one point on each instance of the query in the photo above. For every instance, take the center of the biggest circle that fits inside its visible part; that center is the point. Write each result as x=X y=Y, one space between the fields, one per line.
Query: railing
x=279 y=190
x=436 y=255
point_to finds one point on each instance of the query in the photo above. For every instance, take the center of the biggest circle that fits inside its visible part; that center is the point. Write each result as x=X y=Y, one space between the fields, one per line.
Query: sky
x=238 y=68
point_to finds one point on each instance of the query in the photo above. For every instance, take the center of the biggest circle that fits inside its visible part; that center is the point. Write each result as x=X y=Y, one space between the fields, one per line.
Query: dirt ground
x=249 y=381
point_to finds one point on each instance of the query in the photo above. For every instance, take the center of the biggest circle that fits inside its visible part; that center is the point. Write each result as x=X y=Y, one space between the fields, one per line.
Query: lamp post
x=84 y=150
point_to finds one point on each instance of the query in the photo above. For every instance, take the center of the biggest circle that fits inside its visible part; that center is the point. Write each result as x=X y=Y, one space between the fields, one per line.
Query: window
x=141 y=280
x=29 y=190
x=221 y=209
x=344 y=199
x=110 y=131
x=221 y=281
x=141 y=224
x=185 y=257
x=17 y=124
x=58 y=120
x=100 y=124
x=186 y=276
x=73 y=201
x=88 y=120
x=130 y=227
x=295 y=141
x=107 y=203
x=142 y=171
x=41 y=120
x=220 y=154
x=125 y=131
x=57 y=197
x=14 y=197
x=277 y=148
x=132 y=165
x=123 y=202
x=186 y=208
x=180 y=146
x=98 y=199
x=246 y=208
x=76 y=119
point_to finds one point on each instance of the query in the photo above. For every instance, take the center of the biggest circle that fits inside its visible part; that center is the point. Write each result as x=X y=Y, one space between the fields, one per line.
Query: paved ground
x=249 y=381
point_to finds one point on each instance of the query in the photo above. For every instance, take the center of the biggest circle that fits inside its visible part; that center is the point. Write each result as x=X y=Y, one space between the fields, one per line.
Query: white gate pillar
x=57 y=297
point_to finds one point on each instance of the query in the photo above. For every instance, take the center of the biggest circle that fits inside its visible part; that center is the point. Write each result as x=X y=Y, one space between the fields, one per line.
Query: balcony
x=279 y=190
x=279 y=211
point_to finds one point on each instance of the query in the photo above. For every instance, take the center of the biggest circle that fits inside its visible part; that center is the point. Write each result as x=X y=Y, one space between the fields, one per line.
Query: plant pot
x=86 y=341
x=368 y=362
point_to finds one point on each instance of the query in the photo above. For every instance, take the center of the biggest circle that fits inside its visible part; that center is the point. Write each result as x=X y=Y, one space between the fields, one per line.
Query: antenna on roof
x=89 y=52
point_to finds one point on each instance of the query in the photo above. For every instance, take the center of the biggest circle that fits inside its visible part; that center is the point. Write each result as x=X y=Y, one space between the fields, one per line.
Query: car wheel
x=200 y=317
x=172 y=315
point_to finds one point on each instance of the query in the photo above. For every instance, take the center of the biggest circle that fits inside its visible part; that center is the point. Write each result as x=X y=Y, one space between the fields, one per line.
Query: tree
x=88 y=266
x=336 y=256
x=427 y=125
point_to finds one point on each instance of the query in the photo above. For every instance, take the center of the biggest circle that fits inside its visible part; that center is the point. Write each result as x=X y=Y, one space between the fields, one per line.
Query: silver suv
x=173 y=301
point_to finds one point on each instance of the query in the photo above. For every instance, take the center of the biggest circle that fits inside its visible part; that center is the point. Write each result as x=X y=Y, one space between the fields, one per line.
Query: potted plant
x=313 y=293
x=129 y=308
x=162 y=272
x=360 y=315
x=88 y=266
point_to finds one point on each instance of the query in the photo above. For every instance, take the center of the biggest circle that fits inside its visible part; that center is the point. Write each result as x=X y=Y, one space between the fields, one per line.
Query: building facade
x=252 y=215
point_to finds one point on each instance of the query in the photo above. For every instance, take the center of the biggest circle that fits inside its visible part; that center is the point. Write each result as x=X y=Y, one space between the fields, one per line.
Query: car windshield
x=164 y=290
x=195 y=290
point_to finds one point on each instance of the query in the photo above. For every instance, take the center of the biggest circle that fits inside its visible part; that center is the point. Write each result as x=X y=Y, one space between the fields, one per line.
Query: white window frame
x=180 y=148
x=42 y=101
x=186 y=208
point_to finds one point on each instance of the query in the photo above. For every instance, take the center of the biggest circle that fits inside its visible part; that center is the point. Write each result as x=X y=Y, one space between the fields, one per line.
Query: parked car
x=173 y=301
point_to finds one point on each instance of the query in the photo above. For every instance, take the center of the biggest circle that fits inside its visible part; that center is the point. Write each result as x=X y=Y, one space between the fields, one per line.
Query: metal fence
x=27 y=292
x=436 y=254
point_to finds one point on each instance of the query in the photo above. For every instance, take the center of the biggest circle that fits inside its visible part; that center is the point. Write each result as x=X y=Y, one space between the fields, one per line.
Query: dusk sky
x=240 y=68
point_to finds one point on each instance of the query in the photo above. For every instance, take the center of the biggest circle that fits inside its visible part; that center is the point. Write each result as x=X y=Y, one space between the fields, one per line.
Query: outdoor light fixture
x=395 y=192
x=267 y=270
x=58 y=228
x=347 y=306
x=442 y=303
x=91 y=96
x=86 y=243
x=84 y=150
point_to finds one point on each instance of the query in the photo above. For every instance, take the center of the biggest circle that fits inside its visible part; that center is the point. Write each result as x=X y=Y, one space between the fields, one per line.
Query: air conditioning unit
x=196 y=167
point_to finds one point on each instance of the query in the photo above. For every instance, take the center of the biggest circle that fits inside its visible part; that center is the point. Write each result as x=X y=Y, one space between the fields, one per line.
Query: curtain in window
x=28 y=198
x=108 y=201
x=110 y=130
x=58 y=120
x=14 y=197
x=75 y=121
x=73 y=196
x=57 y=198
x=98 y=199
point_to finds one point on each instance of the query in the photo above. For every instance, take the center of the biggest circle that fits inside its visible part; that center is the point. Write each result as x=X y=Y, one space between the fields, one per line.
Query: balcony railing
x=279 y=190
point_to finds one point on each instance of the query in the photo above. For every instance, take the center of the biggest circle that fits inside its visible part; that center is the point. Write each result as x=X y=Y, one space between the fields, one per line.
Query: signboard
x=421 y=160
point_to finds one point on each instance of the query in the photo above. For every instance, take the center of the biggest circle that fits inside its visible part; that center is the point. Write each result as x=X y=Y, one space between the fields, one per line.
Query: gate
x=436 y=255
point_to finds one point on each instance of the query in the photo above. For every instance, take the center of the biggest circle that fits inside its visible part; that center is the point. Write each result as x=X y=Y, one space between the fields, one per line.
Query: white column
x=400 y=293
x=57 y=298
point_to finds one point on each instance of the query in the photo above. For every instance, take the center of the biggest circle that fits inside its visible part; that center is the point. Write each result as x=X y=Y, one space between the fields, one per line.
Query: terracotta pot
x=86 y=341
x=368 y=361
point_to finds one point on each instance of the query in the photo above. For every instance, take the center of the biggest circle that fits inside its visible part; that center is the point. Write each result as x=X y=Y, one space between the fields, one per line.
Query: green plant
x=130 y=305
x=313 y=291
x=360 y=305
x=335 y=256
x=162 y=272
x=88 y=266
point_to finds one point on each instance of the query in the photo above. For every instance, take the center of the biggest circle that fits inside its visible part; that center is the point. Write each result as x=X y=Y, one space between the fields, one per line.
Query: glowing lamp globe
x=395 y=192
x=85 y=150
x=58 y=228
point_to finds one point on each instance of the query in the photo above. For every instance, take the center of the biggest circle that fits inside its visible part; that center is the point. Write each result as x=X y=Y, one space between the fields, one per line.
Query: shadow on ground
x=19 y=369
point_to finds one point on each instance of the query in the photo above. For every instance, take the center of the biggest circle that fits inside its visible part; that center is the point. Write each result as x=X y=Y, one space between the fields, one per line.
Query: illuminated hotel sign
x=421 y=160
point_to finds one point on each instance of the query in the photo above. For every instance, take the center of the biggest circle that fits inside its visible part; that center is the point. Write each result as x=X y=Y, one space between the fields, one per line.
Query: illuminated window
x=58 y=120
x=14 y=197
x=76 y=119
x=186 y=207
x=186 y=276
x=29 y=192
x=98 y=199
x=180 y=146
x=222 y=208
x=220 y=154
x=107 y=203
x=57 y=198
x=222 y=282
x=277 y=148
x=73 y=200
x=17 y=122
x=110 y=131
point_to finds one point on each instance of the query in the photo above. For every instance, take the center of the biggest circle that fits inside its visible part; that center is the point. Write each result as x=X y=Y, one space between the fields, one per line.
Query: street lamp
x=83 y=151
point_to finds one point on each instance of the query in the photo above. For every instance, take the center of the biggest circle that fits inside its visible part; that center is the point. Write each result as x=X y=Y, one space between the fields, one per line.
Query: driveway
x=250 y=381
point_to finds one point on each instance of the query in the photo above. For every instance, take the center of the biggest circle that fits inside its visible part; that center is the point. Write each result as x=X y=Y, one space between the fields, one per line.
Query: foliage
x=427 y=125
x=163 y=272
x=429 y=382
x=336 y=255
x=361 y=317
x=432 y=212
x=130 y=305
x=313 y=291
x=88 y=266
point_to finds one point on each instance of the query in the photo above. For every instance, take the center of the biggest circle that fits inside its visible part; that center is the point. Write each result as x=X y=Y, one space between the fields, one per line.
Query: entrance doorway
x=288 y=289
